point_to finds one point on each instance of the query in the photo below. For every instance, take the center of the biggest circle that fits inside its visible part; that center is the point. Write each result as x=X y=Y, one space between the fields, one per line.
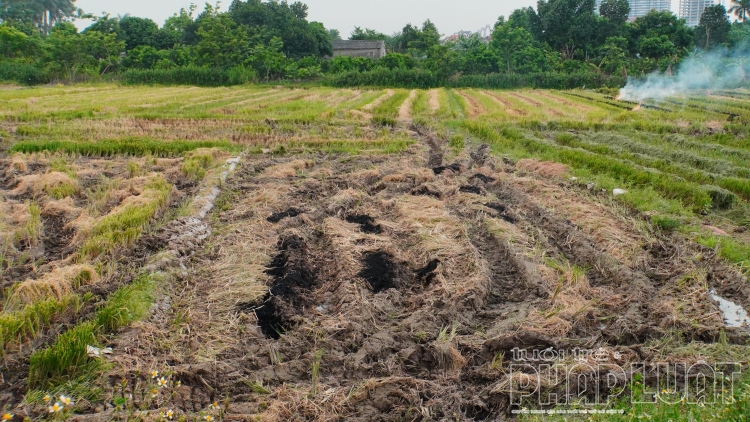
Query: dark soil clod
x=276 y=217
x=479 y=157
x=293 y=279
x=427 y=273
x=455 y=167
x=425 y=191
x=470 y=189
x=366 y=223
x=271 y=320
x=380 y=270
x=502 y=211
x=483 y=178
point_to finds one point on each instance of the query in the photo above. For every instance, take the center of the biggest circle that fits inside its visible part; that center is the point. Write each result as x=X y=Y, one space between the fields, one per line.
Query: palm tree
x=49 y=12
x=741 y=9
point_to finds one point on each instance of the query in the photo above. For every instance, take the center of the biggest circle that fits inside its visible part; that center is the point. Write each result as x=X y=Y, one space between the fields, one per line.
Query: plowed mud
x=397 y=291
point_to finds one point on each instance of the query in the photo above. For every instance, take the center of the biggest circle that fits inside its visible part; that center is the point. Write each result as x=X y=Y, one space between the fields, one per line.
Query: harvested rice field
x=276 y=253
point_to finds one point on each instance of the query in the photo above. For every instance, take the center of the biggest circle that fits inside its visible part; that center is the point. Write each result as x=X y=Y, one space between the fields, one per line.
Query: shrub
x=395 y=78
x=665 y=223
x=22 y=73
x=189 y=75
x=457 y=142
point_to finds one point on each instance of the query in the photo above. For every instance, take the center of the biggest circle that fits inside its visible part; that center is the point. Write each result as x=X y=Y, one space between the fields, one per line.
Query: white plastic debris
x=96 y=352
x=573 y=179
x=734 y=314
x=616 y=192
x=590 y=185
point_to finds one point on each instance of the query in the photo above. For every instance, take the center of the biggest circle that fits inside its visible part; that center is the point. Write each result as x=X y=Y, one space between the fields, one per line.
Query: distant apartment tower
x=692 y=10
x=640 y=8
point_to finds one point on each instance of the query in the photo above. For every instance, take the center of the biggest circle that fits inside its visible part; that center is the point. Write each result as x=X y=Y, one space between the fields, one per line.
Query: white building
x=692 y=10
x=640 y=8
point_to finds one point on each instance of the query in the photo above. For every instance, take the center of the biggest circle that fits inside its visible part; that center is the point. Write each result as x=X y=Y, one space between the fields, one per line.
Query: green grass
x=729 y=249
x=389 y=108
x=196 y=164
x=733 y=405
x=67 y=358
x=509 y=140
x=27 y=323
x=129 y=146
x=126 y=225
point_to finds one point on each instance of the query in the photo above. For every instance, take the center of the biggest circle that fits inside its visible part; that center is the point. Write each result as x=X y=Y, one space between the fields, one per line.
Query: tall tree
x=506 y=41
x=616 y=11
x=137 y=31
x=741 y=9
x=566 y=25
x=16 y=44
x=286 y=21
x=334 y=34
x=366 y=34
x=713 y=28
x=43 y=14
x=655 y=24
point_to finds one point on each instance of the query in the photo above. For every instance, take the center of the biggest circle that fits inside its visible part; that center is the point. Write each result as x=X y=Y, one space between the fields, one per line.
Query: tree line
x=558 y=44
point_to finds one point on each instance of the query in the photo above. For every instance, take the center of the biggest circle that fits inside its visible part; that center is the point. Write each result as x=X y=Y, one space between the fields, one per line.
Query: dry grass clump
x=434 y=233
x=574 y=303
x=55 y=284
x=714 y=126
x=21 y=224
x=414 y=175
x=290 y=169
x=446 y=353
x=18 y=163
x=55 y=184
x=62 y=207
x=247 y=248
x=297 y=404
x=344 y=200
x=544 y=168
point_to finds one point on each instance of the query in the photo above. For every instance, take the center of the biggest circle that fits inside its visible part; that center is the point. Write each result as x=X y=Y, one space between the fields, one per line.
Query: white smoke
x=717 y=69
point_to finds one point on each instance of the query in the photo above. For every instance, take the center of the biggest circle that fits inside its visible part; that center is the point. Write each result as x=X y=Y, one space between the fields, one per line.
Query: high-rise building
x=640 y=8
x=692 y=10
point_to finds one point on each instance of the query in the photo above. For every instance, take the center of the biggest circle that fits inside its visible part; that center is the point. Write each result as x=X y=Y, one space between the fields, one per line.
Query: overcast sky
x=386 y=16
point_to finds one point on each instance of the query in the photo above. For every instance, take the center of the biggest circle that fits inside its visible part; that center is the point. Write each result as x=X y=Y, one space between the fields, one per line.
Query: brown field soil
x=373 y=105
x=507 y=106
x=473 y=107
x=395 y=288
x=404 y=111
x=434 y=100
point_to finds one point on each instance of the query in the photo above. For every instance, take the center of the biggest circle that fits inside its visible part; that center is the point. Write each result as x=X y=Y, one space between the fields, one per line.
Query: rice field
x=301 y=253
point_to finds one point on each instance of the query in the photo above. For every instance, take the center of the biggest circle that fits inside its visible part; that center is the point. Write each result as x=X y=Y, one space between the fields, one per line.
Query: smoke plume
x=717 y=69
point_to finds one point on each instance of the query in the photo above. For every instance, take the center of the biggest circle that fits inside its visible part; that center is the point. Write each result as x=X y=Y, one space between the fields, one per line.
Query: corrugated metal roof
x=357 y=45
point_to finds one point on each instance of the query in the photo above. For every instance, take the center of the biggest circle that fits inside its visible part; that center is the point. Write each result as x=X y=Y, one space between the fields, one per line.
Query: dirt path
x=507 y=106
x=473 y=107
x=537 y=104
x=404 y=112
x=400 y=280
x=434 y=100
x=373 y=105
x=562 y=101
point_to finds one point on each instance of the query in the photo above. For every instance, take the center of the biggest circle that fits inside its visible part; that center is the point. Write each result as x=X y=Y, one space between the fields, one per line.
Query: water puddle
x=734 y=314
